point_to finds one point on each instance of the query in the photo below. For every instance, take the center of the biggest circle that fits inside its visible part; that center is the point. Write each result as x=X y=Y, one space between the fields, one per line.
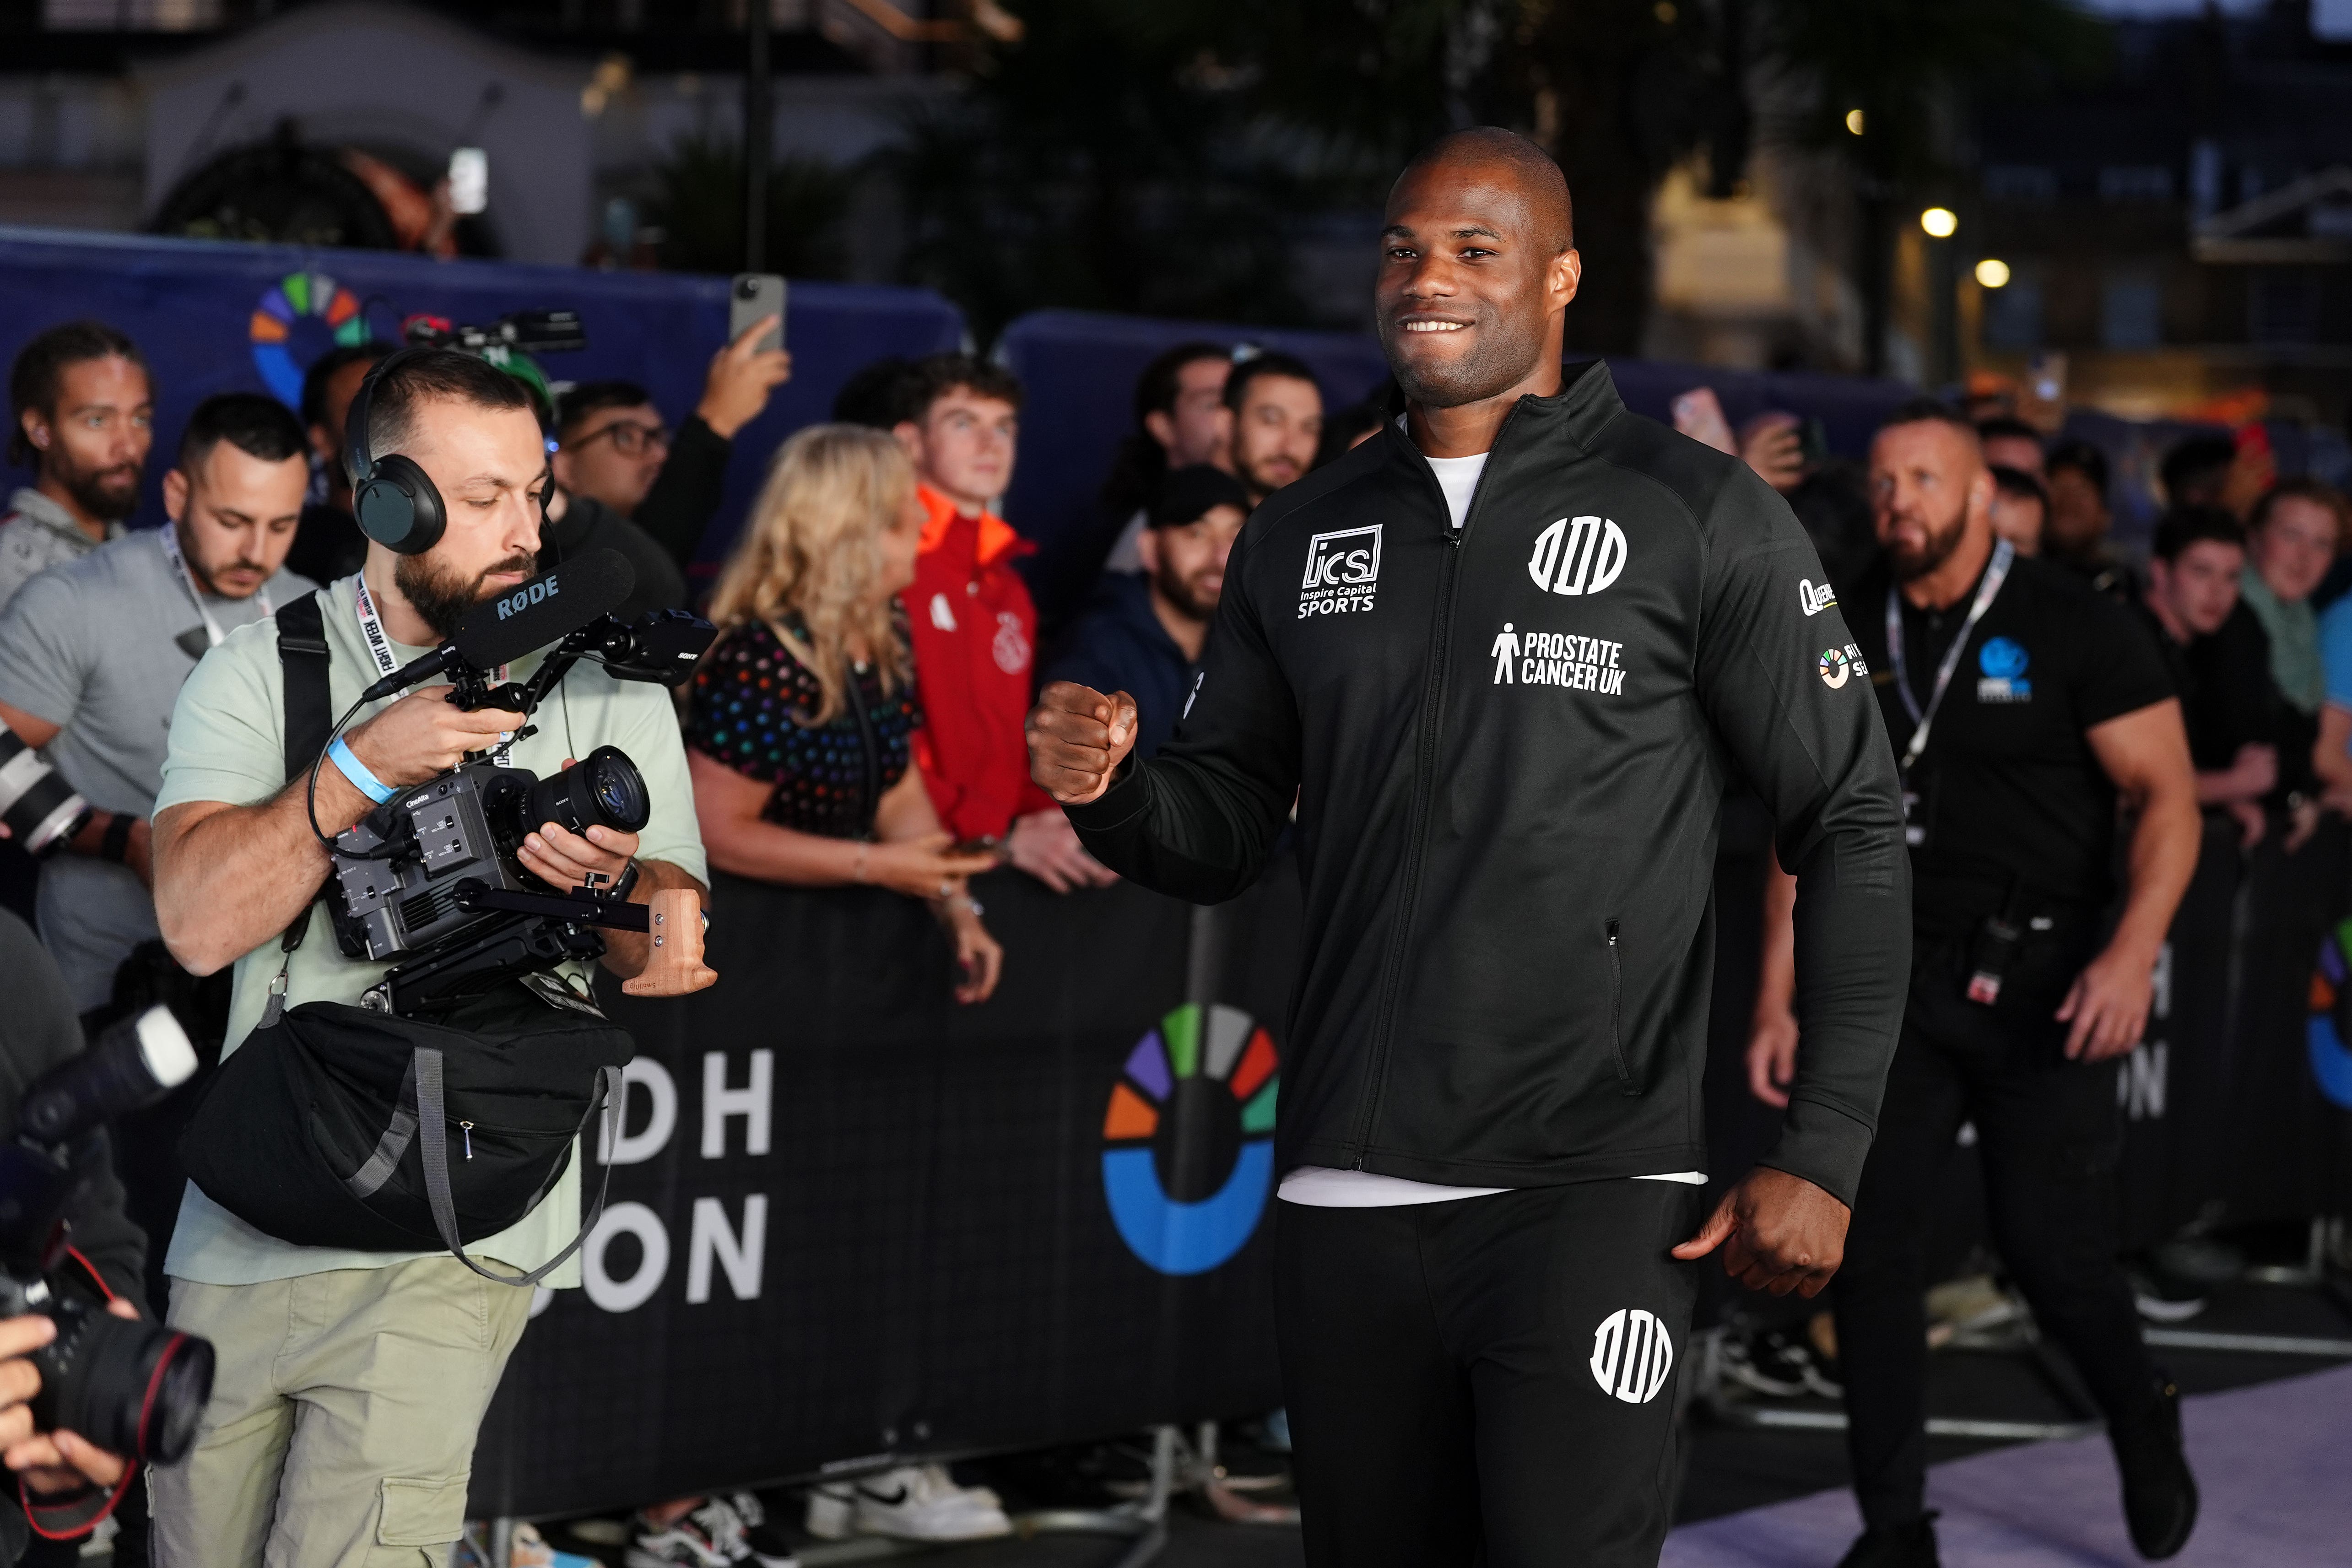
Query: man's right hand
x=425 y=734
x=1078 y=739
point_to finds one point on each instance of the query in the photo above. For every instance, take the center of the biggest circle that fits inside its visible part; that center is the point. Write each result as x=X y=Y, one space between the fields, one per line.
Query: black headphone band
x=359 y=461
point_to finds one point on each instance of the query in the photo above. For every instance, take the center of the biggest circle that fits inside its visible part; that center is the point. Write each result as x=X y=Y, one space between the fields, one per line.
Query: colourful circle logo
x=2330 y=1025
x=306 y=304
x=1190 y=1139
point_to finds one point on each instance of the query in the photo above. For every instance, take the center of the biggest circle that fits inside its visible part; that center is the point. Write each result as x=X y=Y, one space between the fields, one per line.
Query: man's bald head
x=1508 y=158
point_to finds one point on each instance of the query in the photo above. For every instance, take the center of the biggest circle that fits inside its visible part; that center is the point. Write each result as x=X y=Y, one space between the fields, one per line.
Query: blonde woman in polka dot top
x=802 y=718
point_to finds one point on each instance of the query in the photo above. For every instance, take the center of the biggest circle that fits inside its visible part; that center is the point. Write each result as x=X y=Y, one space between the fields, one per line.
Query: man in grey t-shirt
x=83 y=408
x=93 y=653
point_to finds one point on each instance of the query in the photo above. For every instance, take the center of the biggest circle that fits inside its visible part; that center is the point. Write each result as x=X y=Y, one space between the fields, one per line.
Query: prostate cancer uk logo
x=1578 y=555
x=1188 y=1156
x=1343 y=569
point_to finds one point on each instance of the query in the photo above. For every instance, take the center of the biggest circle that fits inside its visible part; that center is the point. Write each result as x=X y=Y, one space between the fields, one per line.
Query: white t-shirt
x=1458 y=477
x=1318 y=1187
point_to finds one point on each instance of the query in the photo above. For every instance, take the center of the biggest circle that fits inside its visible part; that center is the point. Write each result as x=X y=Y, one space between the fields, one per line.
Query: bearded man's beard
x=1911 y=565
x=446 y=599
x=110 y=495
x=1186 y=595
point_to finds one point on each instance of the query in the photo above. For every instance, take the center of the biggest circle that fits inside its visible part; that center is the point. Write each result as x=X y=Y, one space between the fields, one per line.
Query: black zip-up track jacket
x=1509 y=747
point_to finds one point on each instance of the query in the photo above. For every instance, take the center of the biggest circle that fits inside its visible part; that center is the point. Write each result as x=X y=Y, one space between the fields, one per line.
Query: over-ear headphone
x=393 y=497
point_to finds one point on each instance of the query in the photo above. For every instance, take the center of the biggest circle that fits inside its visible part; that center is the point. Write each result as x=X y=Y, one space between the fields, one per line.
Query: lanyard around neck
x=169 y=537
x=1995 y=573
x=372 y=633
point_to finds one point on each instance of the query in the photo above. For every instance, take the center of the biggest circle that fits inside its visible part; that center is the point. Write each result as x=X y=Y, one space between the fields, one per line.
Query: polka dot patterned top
x=742 y=712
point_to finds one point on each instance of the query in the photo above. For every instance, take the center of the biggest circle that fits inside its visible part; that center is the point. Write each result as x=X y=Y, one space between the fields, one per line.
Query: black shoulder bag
x=338 y=1126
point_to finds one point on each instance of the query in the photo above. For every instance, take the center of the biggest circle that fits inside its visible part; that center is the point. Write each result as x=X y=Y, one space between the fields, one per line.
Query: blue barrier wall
x=220 y=317
x=1080 y=370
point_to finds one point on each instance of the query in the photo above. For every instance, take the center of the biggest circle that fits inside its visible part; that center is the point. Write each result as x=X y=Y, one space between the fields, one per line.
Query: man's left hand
x=1783 y=1233
x=63 y=1461
x=562 y=858
x=2107 y=1005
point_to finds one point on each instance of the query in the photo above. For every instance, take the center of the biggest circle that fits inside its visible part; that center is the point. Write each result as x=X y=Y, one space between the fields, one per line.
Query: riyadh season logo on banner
x=1578 y=555
x=1188 y=1155
x=1632 y=1354
x=1343 y=572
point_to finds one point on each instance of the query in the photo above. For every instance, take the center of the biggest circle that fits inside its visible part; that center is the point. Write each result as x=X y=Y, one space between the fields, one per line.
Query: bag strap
x=304 y=662
x=433 y=1134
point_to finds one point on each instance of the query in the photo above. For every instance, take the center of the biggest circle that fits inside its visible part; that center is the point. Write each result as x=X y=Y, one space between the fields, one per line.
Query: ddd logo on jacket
x=1578 y=555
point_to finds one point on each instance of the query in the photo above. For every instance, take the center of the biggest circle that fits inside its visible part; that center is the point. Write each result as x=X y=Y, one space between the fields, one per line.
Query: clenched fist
x=1077 y=738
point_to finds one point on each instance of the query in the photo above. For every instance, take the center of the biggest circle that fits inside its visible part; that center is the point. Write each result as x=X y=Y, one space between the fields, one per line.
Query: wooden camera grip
x=676 y=967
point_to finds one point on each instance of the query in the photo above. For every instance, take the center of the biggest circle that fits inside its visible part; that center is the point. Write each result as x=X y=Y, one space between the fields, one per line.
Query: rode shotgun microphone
x=525 y=618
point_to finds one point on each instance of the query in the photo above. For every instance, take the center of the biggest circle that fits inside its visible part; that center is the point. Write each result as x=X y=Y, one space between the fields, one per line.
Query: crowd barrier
x=217 y=317
x=851 y=1220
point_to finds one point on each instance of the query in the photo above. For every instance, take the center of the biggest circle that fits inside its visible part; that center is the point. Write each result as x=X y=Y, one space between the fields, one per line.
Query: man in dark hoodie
x=1506 y=657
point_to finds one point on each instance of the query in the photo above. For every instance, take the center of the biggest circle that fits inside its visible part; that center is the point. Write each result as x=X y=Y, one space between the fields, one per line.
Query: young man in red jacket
x=975 y=629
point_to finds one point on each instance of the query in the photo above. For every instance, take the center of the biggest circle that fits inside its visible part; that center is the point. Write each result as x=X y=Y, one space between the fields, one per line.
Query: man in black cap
x=1144 y=632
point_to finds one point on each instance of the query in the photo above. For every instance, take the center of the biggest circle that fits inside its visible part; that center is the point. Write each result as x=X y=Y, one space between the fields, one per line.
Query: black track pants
x=2049 y=1135
x=1487 y=1381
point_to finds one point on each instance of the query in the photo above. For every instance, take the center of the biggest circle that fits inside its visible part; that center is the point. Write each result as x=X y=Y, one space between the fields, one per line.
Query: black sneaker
x=1906 y=1545
x=2159 y=1493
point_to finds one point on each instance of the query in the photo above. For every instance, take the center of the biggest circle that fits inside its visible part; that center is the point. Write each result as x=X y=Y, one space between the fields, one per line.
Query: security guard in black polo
x=2023 y=706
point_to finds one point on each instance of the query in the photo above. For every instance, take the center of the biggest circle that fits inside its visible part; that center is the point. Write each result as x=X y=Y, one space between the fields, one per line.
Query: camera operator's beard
x=443 y=599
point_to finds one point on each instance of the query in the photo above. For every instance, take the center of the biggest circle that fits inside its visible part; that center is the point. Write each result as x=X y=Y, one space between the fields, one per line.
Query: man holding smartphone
x=617 y=457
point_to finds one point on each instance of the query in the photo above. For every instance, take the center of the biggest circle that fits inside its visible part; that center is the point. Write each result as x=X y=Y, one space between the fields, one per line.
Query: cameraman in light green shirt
x=349 y=1384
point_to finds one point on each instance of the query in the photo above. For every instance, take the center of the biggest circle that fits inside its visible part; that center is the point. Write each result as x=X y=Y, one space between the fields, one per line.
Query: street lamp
x=1939 y=221
x=1992 y=273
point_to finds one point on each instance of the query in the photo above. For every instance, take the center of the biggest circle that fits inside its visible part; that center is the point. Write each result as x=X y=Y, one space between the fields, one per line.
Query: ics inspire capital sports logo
x=1188 y=1139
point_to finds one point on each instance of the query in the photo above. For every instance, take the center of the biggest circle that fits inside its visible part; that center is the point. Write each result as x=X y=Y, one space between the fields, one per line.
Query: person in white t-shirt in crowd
x=1181 y=420
x=1277 y=411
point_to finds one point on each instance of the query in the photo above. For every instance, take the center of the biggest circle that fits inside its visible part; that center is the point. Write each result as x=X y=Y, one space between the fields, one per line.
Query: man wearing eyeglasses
x=620 y=459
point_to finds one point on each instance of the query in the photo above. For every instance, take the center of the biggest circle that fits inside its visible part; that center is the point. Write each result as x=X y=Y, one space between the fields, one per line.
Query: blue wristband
x=351 y=768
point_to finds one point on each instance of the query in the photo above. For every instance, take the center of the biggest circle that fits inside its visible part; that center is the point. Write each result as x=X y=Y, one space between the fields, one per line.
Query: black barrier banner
x=852 y=1220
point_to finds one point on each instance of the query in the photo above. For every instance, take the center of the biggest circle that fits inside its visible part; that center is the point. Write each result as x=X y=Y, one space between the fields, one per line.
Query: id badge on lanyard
x=1914 y=818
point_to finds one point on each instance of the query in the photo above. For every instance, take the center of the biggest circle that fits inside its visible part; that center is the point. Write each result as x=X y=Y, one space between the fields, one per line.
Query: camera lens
x=132 y=1388
x=605 y=788
x=40 y=808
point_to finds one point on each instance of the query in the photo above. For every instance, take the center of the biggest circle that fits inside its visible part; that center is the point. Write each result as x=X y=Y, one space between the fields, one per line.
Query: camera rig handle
x=676 y=967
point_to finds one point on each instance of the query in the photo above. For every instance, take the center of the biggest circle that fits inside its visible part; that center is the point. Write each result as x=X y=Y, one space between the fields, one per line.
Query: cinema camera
x=434 y=874
x=133 y=1388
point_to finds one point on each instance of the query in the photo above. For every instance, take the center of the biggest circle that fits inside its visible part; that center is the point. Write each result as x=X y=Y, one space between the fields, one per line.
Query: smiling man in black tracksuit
x=1508 y=657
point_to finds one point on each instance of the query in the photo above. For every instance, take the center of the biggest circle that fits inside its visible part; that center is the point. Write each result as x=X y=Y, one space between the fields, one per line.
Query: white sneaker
x=832 y=1511
x=919 y=1502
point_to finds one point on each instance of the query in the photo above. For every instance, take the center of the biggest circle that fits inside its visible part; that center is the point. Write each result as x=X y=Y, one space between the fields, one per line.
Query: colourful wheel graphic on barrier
x=2326 y=1035
x=298 y=296
x=1190 y=1132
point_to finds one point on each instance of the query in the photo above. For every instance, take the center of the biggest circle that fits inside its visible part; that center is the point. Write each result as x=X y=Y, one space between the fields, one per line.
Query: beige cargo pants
x=340 y=1431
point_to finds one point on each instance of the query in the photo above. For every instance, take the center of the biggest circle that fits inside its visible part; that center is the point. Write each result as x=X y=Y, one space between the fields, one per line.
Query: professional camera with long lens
x=135 y=1389
x=433 y=877
x=41 y=809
